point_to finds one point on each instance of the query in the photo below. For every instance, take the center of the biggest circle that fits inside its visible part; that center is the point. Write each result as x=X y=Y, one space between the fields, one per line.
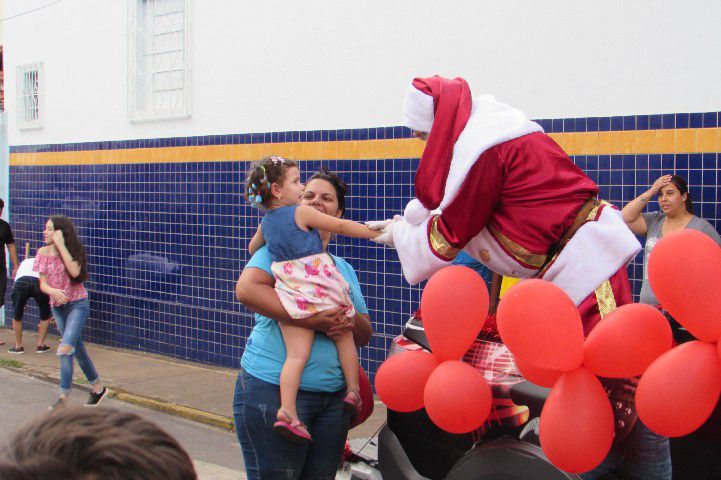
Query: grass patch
x=10 y=363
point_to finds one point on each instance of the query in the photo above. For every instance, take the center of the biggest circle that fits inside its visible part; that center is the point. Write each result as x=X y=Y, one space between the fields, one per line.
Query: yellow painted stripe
x=682 y=140
x=347 y=150
x=689 y=140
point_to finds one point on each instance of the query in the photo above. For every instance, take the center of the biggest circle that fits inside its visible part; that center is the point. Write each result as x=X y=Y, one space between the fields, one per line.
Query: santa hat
x=460 y=129
x=442 y=107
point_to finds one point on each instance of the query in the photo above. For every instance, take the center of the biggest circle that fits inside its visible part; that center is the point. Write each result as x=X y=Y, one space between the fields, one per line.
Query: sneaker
x=59 y=403
x=17 y=350
x=42 y=349
x=95 y=398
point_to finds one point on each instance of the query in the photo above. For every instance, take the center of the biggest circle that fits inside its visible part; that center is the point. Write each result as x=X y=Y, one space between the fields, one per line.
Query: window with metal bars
x=157 y=59
x=30 y=95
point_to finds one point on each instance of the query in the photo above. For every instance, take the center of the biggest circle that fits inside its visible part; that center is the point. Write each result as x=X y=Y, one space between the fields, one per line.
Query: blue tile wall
x=166 y=241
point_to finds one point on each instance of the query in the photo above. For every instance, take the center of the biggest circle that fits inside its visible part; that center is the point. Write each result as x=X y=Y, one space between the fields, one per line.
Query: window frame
x=21 y=97
x=134 y=38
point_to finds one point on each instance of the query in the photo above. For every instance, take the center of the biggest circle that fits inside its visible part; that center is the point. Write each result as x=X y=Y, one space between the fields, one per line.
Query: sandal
x=292 y=430
x=352 y=403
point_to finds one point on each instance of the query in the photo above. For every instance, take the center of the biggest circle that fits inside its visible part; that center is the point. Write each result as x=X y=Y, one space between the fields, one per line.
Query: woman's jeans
x=647 y=456
x=71 y=320
x=268 y=455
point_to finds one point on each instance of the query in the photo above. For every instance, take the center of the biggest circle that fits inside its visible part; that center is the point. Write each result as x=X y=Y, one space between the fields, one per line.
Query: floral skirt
x=311 y=284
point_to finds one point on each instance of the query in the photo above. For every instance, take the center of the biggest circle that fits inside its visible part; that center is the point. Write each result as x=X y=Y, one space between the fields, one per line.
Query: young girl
x=307 y=280
x=63 y=268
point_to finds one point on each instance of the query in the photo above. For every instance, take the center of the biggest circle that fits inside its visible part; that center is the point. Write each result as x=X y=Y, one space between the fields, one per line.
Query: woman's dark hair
x=338 y=184
x=261 y=175
x=87 y=443
x=682 y=186
x=75 y=247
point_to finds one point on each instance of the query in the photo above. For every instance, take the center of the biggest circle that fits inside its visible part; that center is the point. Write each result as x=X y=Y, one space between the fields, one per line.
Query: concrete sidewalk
x=199 y=392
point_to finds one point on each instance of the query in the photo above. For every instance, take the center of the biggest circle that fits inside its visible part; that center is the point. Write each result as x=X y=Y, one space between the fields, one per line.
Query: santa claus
x=492 y=183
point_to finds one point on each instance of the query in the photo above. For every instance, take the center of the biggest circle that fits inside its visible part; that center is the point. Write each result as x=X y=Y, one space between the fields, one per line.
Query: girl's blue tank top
x=285 y=240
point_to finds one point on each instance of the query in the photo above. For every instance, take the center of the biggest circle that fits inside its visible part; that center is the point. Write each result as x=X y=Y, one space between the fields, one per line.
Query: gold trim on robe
x=520 y=253
x=439 y=244
x=605 y=299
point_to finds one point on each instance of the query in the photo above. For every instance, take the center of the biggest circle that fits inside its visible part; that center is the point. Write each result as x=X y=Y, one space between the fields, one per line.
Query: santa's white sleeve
x=414 y=251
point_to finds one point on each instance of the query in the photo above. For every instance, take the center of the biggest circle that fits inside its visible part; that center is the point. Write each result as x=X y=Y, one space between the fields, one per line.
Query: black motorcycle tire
x=506 y=459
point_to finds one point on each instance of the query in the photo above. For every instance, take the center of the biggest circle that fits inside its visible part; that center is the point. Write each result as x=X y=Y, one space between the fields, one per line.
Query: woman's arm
x=57 y=295
x=256 y=242
x=306 y=216
x=360 y=325
x=71 y=265
x=255 y=291
x=362 y=330
x=14 y=259
x=633 y=209
x=44 y=287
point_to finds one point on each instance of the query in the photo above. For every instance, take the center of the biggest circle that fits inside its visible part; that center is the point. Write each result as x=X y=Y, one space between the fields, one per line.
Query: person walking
x=63 y=267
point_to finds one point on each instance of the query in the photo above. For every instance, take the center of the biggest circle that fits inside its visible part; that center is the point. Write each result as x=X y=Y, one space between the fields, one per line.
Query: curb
x=200 y=416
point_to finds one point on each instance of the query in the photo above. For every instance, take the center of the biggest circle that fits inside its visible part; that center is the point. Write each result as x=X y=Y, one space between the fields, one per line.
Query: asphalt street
x=216 y=452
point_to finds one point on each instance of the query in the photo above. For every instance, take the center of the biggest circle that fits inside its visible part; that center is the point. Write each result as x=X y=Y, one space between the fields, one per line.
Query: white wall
x=276 y=65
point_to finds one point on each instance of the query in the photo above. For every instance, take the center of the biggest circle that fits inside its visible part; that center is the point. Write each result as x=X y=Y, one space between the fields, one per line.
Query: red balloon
x=457 y=397
x=680 y=389
x=400 y=380
x=576 y=429
x=627 y=341
x=454 y=305
x=366 y=394
x=539 y=323
x=684 y=269
x=539 y=376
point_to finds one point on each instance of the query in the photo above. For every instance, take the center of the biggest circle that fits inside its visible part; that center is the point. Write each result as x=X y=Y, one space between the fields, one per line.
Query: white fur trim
x=499 y=261
x=417 y=259
x=418 y=110
x=415 y=212
x=491 y=123
x=594 y=253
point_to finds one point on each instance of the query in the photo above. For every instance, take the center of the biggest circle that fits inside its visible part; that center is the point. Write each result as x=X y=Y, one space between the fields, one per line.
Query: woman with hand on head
x=63 y=267
x=676 y=213
x=648 y=455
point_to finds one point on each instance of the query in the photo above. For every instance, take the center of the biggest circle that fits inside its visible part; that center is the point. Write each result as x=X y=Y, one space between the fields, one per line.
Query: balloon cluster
x=542 y=327
x=680 y=390
x=455 y=395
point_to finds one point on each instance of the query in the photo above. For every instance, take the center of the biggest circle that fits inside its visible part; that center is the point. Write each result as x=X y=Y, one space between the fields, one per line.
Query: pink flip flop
x=291 y=432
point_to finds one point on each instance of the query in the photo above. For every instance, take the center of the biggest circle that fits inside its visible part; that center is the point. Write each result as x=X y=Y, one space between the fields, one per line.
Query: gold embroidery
x=592 y=205
x=519 y=252
x=439 y=244
x=604 y=298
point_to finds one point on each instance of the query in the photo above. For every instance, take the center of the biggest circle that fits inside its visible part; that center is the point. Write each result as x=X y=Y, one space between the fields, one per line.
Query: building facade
x=139 y=118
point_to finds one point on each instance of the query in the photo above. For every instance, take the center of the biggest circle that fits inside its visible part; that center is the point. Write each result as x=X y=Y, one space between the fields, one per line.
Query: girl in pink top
x=63 y=268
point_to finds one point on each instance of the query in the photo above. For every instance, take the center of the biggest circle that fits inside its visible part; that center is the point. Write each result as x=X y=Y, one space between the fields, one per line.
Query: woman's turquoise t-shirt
x=265 y=351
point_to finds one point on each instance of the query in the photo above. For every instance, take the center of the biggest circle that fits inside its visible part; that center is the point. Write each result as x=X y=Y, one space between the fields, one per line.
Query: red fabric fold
x=452 y=104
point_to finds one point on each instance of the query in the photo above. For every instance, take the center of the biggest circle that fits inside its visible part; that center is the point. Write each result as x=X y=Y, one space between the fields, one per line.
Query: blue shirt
x=265 y=351
x=467 y=261
x=285 y=239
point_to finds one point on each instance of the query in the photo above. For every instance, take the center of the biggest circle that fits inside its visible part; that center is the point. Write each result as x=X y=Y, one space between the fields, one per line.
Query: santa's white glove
x=385 y=238
x=381 y=224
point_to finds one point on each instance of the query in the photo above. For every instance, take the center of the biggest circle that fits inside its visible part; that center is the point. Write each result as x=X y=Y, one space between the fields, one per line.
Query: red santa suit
x=491 y=182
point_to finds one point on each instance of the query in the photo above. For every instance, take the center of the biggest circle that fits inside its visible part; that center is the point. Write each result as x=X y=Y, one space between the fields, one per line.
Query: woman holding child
x=320 y=399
